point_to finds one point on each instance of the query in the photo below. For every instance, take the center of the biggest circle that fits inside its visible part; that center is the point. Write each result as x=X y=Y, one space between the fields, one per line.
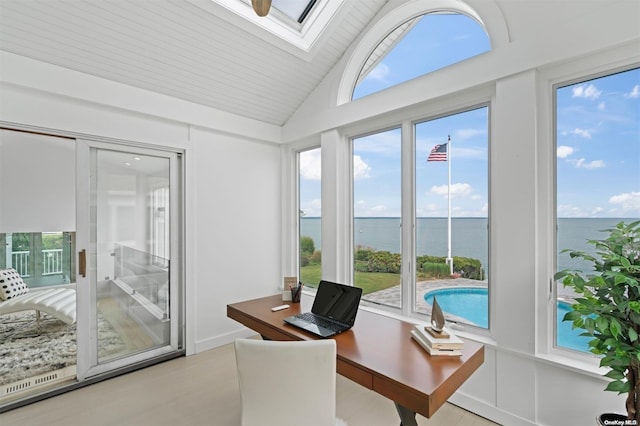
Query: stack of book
x=437 y=344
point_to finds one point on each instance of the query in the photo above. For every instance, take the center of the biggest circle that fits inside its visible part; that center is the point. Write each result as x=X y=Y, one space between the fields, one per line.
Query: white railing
x=51 y=262
x=20 y=262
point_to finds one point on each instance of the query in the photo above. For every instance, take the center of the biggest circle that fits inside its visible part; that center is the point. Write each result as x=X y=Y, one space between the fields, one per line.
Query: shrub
x=307 y=246
x=363 y=253
x=468 y=268
x=369 y=260
x=435 y=270
x=465 y=266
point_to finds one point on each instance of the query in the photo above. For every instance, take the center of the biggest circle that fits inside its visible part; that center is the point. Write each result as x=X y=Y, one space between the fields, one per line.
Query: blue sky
x=598 y=140
x=437 y=40
x=598 y=147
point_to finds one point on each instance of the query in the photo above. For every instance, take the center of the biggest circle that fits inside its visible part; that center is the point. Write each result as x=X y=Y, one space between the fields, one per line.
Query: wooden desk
x=378 y=353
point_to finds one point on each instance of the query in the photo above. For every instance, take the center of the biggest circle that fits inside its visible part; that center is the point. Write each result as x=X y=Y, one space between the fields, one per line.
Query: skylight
x=295 y=9
x=297 y=22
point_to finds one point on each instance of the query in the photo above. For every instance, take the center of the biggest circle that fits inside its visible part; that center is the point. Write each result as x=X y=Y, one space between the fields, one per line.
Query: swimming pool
x=471 y=304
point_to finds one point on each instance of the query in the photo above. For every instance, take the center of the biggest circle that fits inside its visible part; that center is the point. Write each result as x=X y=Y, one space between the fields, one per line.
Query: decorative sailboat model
x=435 y=338
x=437 y=321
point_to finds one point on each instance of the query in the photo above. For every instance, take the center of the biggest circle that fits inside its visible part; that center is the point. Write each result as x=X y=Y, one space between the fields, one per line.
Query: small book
x=437 y=334
x=432 y=351
x=452 y=342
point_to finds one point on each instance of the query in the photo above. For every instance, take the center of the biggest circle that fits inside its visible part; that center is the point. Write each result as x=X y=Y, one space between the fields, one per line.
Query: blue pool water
x=472 y=304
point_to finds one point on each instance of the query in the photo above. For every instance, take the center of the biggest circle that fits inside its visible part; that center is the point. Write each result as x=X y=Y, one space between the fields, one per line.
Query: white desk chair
x=287 y=383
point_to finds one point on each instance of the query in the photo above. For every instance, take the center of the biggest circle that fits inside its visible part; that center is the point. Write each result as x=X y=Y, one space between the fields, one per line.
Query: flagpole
x=449 y=258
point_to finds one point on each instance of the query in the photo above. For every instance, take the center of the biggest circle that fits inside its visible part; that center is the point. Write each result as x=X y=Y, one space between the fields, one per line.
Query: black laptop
x=334 y=310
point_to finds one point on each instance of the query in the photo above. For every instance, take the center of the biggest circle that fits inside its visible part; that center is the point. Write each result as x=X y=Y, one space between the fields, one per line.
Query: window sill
x=485 y=340
x=588 y=366
x=570 y=363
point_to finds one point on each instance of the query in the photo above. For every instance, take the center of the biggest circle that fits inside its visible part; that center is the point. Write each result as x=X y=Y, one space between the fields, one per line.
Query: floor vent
x=37 y=381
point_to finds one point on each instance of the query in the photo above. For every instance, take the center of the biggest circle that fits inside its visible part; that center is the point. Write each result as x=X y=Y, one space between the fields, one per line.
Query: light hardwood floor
x=199 y=390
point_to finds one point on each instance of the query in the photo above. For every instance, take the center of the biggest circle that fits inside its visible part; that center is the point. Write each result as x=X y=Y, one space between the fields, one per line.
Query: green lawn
x=368 y=281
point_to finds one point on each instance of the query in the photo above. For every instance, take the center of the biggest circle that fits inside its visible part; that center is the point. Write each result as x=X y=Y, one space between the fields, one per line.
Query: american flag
x=438 y=153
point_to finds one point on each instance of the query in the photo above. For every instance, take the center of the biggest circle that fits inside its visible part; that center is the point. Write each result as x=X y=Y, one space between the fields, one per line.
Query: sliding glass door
x=128 y=255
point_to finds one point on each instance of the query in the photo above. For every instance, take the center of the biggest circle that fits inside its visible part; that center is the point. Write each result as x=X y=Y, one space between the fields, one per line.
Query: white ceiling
x=194 y=50
x=204 y=52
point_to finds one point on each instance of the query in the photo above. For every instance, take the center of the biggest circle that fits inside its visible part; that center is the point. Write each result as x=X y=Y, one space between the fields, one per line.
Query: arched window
x=419 y=46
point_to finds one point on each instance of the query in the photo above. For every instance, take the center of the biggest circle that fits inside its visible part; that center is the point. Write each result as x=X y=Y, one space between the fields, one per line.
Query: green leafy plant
x=608 y=308
x=437 y=270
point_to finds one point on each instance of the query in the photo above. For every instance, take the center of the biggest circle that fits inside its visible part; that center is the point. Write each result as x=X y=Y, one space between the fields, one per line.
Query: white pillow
x=11 y=284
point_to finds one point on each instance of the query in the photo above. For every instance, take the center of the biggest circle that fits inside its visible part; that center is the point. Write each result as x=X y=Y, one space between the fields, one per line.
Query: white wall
x=237 y=221
x=521 y=381
x=232 y=211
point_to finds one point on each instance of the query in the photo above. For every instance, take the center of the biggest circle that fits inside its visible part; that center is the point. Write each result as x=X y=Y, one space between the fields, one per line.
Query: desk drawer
x=358 y=375
x=404 y=396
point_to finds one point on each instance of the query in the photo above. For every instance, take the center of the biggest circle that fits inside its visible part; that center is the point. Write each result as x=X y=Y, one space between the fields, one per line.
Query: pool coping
x=391 y=296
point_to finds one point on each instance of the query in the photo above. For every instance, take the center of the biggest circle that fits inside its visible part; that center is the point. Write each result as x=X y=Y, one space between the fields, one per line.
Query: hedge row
x=370 y=260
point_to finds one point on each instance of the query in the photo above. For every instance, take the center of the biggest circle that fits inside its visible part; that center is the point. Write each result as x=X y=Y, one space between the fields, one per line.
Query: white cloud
x=362 y=209
x=635 y=92
x=464 y=134
x=312 y=208
x=461 y=37
x=586 y=91
x=379 y=143
x=381 y=208
x=581 y=132
x=457 y=190
x=568 y=210
x=628 y=202
x=564 y=151
x=360 y=168
x=310 y=165
x=380 y=72
x=601 y=106
x=582 y=164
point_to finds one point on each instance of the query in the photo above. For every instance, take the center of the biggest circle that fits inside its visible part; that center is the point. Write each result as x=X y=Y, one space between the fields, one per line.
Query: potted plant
x=607 y=308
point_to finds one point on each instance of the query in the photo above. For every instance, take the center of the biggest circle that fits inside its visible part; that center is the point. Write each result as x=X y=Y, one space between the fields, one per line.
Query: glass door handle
x=82 y=263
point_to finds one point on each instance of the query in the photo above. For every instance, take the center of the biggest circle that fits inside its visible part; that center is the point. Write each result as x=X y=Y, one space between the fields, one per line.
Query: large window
x=452 y=216
x=377 y=199
x=597 y=173
x=309 y=208
x=420 y=46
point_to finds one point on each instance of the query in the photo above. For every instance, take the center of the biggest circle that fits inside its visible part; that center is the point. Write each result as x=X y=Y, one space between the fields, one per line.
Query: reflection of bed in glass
x=141 y=287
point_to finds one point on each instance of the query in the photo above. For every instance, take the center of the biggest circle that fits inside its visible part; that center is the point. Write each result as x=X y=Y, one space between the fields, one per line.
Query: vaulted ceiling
x=195 y=50
x=207 y=52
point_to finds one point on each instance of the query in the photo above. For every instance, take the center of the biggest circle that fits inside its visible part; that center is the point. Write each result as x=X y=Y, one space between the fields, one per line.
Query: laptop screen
x=337 y=301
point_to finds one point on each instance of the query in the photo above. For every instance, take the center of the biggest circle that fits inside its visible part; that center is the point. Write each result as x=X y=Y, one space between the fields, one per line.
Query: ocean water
x=469 y=236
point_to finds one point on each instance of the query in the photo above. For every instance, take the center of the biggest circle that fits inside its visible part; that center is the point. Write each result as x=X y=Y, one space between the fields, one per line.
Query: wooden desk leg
x=407 y=417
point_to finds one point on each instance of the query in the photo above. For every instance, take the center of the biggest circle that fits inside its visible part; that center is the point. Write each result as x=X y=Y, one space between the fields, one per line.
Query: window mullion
x=408 y=218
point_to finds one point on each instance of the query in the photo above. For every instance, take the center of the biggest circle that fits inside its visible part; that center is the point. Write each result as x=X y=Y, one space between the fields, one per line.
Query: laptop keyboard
x=308 y=316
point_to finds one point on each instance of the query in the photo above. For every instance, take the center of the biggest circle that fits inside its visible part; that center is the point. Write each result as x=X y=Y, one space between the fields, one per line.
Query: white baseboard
x=491 y=412
x=214 y=342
